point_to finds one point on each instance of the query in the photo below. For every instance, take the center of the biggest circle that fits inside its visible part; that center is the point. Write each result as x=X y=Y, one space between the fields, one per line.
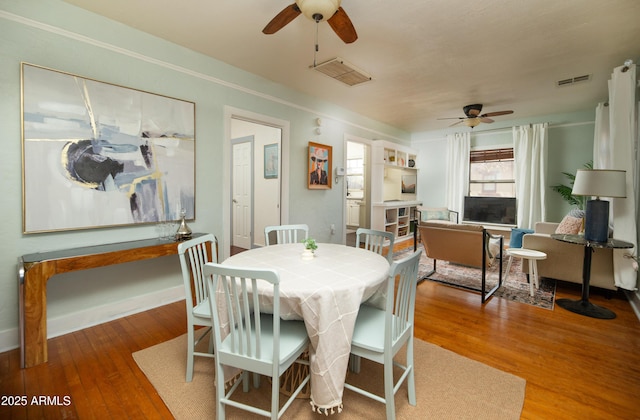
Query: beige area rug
x=448 y=386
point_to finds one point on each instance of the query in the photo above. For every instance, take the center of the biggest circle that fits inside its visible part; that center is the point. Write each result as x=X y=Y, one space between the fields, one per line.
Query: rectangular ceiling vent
x=342 y=71
x=573 y=80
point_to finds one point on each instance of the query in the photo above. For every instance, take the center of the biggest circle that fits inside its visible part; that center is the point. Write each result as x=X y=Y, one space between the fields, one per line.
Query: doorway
x=252 y=184
x=357 y=186
x=254 y=195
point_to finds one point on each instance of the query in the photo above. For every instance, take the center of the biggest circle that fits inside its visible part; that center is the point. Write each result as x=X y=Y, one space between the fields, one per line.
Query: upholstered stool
x=532 y=256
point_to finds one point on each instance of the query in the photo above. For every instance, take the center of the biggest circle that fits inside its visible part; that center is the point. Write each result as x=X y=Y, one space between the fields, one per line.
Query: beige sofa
x=564 y=260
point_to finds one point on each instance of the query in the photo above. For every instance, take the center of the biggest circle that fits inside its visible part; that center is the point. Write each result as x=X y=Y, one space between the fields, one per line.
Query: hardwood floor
x=575 y=367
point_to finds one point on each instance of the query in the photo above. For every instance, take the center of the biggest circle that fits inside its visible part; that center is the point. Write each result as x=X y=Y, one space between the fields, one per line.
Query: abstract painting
x=97 y=154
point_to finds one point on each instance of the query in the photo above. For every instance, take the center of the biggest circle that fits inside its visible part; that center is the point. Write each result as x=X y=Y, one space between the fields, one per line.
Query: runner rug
x=516 y=288
x=448 y=386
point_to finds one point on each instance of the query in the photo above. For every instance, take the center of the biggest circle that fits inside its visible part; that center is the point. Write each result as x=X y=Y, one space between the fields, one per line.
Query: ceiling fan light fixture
x=318 y=10
x=472 y=122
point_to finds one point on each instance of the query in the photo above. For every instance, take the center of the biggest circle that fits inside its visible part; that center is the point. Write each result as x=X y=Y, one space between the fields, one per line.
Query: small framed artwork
x=320 y=165
x=271 y=161
x=409 y=184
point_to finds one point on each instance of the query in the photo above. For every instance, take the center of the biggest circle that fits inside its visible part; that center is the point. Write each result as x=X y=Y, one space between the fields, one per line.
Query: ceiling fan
x=473 y=116
x=318 y=11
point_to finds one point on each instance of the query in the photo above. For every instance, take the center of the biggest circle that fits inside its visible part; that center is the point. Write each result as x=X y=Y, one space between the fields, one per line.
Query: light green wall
x=570 y=147
x=56 y=35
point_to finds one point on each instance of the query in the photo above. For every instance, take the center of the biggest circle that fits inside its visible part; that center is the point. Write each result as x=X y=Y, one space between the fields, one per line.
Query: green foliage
x=310 y=244
x=565 y=190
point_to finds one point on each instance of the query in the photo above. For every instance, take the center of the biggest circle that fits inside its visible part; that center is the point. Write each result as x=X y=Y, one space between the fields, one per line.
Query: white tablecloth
x=326 y=293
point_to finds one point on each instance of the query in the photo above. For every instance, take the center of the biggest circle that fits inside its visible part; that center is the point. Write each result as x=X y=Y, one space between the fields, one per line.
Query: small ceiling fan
x=473 y=116
x=318 y=11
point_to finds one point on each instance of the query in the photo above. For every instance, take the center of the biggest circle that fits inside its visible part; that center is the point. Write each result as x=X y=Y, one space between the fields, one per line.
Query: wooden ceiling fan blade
x=497 y=113
x=485 y=120
x=282 y=19
x=452 y=118
x=342 y=26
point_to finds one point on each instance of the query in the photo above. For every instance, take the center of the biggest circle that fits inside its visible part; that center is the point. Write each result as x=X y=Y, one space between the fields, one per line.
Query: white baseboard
x=634 y=301
x=10 y=339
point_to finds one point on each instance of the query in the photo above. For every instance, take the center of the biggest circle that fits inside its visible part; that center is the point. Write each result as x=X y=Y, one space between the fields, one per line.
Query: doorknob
x=235 y=201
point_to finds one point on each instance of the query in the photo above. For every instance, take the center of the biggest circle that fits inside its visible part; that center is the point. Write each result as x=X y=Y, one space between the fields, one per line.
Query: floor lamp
x=599 y=183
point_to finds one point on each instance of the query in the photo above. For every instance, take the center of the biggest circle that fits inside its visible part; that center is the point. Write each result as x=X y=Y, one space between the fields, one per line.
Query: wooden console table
x=35 y=270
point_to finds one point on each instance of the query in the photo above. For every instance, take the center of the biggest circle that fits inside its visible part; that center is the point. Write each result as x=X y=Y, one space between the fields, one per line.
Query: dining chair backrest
x=286 y=234
x=375 y=241
x=403 y=278
x=245 y=338
x=379 y=334
x=193 y=255
x=240 y=309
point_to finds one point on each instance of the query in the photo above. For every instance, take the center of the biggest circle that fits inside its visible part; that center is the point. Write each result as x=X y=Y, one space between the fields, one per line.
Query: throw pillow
x=435 y=214
x=569 y=225
x=515 y=240
x=577 y=213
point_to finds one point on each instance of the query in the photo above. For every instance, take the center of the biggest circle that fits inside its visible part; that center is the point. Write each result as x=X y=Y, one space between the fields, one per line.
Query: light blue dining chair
x=380 y=333
x=257 y=342
x=375 y=241
x=286 y=234
x=194 y=254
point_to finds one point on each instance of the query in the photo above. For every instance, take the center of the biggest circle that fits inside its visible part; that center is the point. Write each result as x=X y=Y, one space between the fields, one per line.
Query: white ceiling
x=428 y=58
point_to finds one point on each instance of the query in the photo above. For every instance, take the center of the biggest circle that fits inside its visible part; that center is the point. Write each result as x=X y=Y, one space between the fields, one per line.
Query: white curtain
x=601 y=139
x=458 y=151
x=530 y=155
x=614 y=138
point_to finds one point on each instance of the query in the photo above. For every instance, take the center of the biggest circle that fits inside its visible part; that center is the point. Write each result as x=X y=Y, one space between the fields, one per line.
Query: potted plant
x=565 y=190
x=310 y=246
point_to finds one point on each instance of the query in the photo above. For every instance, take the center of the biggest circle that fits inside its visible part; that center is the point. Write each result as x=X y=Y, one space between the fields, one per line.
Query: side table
x=532 y=256
x=583 y=306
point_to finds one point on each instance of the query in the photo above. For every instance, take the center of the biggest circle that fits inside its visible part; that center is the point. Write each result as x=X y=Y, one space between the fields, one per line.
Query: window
x=355 y=174
x=491 y=173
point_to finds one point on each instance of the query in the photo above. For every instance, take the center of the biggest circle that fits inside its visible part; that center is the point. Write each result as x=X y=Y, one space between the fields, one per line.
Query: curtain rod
x=627 y=65
x=506 y=129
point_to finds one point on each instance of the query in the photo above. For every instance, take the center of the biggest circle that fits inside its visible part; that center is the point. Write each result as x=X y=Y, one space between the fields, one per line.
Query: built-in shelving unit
x=395 y=217
x=396 y=155
x=392 y=209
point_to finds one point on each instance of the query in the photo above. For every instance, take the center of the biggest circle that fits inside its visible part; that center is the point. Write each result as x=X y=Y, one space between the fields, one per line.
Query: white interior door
x=242 y=192
x=269 y=191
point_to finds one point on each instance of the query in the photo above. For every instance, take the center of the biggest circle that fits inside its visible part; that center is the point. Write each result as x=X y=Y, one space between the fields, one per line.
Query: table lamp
x=599 y=183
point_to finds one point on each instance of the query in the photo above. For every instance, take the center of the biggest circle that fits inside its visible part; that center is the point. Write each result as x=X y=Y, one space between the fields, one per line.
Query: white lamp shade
x=600 y=183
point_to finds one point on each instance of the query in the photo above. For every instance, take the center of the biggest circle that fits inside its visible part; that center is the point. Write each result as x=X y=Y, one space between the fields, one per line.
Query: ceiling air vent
x=342 y=71
x=573 y=80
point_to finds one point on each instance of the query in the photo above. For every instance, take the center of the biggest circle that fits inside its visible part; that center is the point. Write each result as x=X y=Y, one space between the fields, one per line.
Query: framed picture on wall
x=320 y=165
x=97 y=154
x=409 y=184
x=271 y=161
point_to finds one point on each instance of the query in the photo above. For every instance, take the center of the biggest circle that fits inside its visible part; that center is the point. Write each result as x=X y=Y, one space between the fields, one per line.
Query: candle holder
x=184 y=232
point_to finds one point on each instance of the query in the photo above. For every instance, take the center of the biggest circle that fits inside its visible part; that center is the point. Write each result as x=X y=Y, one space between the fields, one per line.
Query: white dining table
x=325 y=292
